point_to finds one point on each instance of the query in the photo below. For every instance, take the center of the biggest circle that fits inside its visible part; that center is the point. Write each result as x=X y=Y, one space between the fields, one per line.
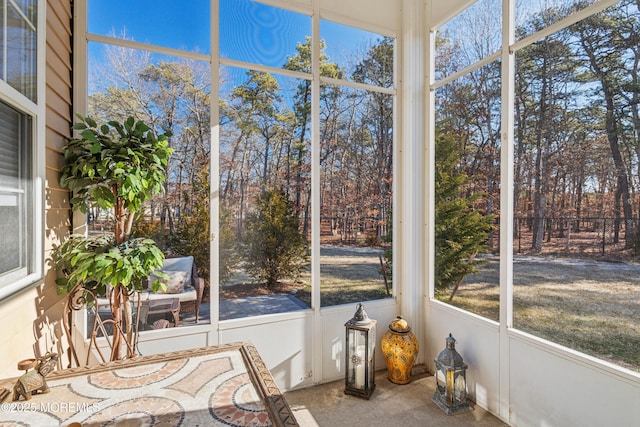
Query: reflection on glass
x=574 y=208
x=349 y=46
x=15 y=227
x=265 y=191
x=355 y=195
x=469 y=37
x=467 y=173
x=534 y=15
x=29 y=9
x=21 y=48
x=254 y=32
x=180 y=25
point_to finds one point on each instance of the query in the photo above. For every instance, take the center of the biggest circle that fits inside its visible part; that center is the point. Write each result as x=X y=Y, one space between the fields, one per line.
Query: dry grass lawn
x=348 y=275
x=587 y=305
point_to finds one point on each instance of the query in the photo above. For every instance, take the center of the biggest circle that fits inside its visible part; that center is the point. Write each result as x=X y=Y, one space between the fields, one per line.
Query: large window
x=267 y=163
x=163 y=79
x=18 y=56
x=467 y=161
x=356 y=165
x=575 y=172
x=274 y=134
x=265 y=159
x=18 y=199
x=15 y=194
x=575 y=273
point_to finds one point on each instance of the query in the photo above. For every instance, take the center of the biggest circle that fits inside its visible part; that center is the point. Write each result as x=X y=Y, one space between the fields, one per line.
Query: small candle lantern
x=451 y=382
x=360 y=354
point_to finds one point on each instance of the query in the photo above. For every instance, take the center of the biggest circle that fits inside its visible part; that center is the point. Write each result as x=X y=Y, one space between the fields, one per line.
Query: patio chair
x=183 y=283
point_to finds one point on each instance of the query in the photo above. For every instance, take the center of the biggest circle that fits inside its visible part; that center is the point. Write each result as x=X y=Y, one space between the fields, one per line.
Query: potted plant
x=116 y=167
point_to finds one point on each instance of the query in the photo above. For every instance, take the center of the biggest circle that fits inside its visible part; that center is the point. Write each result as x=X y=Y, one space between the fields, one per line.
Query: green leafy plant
x=115 y=166
x=275 y=248
x=98 y=262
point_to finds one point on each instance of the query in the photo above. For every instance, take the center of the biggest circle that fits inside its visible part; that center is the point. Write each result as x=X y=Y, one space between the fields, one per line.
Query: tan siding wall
x=31 y=319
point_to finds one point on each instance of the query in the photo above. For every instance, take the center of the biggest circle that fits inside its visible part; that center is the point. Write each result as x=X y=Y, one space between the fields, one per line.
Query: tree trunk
x=116 y=312
x=539 y=200
x=611 y=125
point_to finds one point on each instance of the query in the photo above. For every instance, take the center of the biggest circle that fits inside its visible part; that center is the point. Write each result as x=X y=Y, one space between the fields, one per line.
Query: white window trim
x=83 y=37
x=37 y=112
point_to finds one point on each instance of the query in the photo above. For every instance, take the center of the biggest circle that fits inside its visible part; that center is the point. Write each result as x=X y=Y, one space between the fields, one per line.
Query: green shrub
x=192 y=231
x=461 y=232
x=274 y=247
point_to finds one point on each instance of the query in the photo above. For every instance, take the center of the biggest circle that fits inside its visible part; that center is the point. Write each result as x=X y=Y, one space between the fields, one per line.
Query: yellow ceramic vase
x=399 y=347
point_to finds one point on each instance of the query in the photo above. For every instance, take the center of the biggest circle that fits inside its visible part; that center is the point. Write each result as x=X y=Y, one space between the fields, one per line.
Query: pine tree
x=461 y=232
x=274 y=246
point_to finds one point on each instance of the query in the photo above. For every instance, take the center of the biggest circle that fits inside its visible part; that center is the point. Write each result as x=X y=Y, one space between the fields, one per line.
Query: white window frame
x=33 y=273
x=83 y=37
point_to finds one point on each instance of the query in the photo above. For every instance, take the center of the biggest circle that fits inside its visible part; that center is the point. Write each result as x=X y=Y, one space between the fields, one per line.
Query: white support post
x=506 y=202
x=317 y=344
x=409 y=256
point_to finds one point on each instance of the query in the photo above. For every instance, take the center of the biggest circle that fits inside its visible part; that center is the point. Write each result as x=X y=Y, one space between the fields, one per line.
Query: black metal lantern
x=359 y=378
x=451 y=381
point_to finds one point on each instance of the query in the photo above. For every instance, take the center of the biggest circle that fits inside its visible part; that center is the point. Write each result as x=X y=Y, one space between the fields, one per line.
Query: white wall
x=553 y=386
x=283 y=341
x=549 y=385
x=333 y=334
x=286 y=341
x=477 y=341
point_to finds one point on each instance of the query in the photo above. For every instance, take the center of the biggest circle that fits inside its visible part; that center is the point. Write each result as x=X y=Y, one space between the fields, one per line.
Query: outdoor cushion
x=188 y=294
x=175 y=284
x=178 y=264
x=179 y=285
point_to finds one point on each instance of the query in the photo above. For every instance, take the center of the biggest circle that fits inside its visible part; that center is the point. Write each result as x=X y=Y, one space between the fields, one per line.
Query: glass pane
x=576 y=278
x=467 y=192
x=534 y=15
x=265 y=191
x=10 y=209
x=15 y=227
x=358 y=360
x=21 y=54
x=257 y=33
x=29 y=8
x=10 y=149
x=356 y=169
x=176 y=24
x=469 y=37
x=350 y=51
x=169 y=94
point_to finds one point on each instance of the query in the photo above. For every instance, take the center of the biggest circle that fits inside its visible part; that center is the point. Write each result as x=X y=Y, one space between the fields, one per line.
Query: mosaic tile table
x=227 y=385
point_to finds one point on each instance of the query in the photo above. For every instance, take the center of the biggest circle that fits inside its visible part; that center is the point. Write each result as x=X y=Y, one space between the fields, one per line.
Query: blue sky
x=250 y=31
x=177 y=24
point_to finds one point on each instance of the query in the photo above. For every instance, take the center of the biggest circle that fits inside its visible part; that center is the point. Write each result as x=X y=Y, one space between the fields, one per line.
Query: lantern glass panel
x=357 y=358
x=460 y=386
x=371 y=354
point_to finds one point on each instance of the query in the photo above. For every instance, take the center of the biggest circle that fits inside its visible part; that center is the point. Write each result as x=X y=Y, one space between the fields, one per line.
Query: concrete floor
x=390 y=405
